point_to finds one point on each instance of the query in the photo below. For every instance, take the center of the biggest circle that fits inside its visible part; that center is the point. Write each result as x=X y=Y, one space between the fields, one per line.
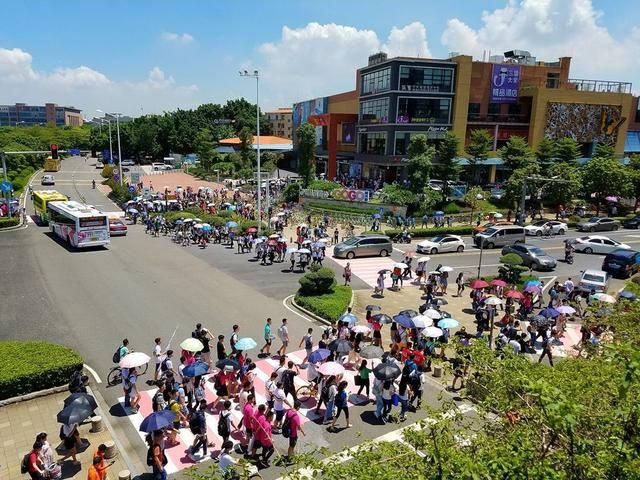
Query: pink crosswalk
x=177 y=454
x=569 y=339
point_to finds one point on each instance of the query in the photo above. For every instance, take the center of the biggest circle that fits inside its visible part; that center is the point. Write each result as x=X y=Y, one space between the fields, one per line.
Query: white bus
x=78 y=224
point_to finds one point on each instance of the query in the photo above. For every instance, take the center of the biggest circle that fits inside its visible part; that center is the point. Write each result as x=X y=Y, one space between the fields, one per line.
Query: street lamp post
x=117 y=115
x=256 y=75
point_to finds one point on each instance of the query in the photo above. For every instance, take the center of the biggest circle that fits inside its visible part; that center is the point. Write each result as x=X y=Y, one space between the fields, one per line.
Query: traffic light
x=54 y=151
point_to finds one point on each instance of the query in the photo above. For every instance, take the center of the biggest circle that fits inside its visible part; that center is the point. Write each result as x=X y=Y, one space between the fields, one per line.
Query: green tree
x=206 y=149
x=567 y=151
x=604 y=150
x=246 y=146
x=447 y=166
x=515 y=184
x=634 y=170
x=428 y=199
x=398 y=195
x=479 y=146
x=602 y=177
x=546 y=153
x=516 y=153
x=561 y=193
x=472 y=199
x=419 y=166
x=306 y=135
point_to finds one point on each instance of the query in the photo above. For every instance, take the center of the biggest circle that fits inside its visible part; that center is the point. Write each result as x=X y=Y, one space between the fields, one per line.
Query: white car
x=440 y=244
x=47 y=180
x=538 y=228
x=594 y=280
x=127 y=163
x=597 y=244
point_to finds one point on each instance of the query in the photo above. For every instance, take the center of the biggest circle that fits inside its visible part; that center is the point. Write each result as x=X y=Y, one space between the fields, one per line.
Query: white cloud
x=181 y=38
x=317 y=60
x=550 y=29
x=88 y=89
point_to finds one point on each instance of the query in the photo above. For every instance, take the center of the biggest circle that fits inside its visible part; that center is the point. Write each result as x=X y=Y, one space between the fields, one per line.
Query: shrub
x=317 y=282
x=119 y=193
x=324 y=207
x=512 y=269
x=9 y=222
x=107 y=171
x=432 y=232
x=328 y=306
x=451 y=208
x=324 y=185
x=31 y=366
x=291 y=193
x=173 y=216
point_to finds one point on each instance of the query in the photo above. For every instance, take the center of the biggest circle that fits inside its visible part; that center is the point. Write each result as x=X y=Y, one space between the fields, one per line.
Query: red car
x=117 y=227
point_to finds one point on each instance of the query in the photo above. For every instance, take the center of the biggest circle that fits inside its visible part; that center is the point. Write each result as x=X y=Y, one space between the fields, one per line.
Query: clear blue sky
x=158 y=55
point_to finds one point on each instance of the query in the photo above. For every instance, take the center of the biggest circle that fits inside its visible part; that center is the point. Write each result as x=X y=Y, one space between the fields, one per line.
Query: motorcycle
x=568 y=258
x=400 y=238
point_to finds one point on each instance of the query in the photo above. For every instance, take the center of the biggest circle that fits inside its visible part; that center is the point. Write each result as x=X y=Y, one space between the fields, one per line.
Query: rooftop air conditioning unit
x=496 y=59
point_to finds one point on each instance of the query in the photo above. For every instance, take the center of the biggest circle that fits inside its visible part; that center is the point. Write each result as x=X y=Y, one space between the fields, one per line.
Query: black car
x=632 y=223
x=622 y=263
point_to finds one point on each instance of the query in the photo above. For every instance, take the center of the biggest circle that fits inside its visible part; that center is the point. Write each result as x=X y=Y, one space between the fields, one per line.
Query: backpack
x=287 y=379
x=324 y=393
x=308 y=343
x=223 y=426
x=196 y=422
x=163 y=365
x=24 y=464
x=116 y=356
x=286 y=426
x=150 y=456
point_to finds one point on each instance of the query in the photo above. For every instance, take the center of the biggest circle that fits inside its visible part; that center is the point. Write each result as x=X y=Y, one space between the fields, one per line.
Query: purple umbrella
x=405 y=321
x=549 y=313
x=532 y=289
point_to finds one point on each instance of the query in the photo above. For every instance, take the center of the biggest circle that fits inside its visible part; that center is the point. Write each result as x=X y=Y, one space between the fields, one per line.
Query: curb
x=23 y=201
x=315 y=316
x=32 y=395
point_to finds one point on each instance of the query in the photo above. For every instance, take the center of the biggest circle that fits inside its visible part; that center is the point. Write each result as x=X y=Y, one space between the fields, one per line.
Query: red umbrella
x=498 y=283
x=252 y=230
x=514 y=294
x=272 y=243
x=476 y=284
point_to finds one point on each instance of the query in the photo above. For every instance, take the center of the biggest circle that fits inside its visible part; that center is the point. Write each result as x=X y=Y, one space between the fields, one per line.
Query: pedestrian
x=293 y=419
x=221 y=349
x=347 y=274
x=268 y=338
x=71 y=438
x=134 y=394
x=198 y=427
x=546 y=349
x=341 y=405
x=388 y=390
x=279 y=401
x=249 y=420
x=263 y=436
x=307 y=340
x=460 y=284
x=379 y=288
x=158 y=354
x=36 y=468
x=225 y=423
x=283 y=334
x=157 y=456
x=288 y=379
x=330 y=397
x=94 y=470
x=363 y=378
x=233 y=339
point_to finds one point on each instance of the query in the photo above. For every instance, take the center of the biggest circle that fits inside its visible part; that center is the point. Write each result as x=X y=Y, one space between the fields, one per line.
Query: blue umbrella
x=350 y=318
x=405 y=321
x=179 y=222
x=448 y=323
x=627 y=295
x=319 y=355
x=534 y=283
x=439 y=213
x=232 y=224
x=232 y=208
x=246 y=344
x=376 y=216
x=549 y=313
x=157 y=421
x=195 y=370
x=206 y=227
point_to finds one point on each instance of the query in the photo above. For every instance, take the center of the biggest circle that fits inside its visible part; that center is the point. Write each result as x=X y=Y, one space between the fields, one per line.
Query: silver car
x=364 y=246
x=533 y=257
x=598 y=224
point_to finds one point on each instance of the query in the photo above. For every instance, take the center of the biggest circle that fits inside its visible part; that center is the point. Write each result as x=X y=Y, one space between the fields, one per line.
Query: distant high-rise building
x=47 y=114
x=280 y=121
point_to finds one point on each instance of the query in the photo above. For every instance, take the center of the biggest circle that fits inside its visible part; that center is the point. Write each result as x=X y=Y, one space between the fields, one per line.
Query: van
x=621 y=263
x=364 y=246
x=500 y=236
x=156 y=166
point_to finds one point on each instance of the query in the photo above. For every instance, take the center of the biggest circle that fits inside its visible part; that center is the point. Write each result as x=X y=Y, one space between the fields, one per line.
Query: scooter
x=400 y=238
x=568 y=258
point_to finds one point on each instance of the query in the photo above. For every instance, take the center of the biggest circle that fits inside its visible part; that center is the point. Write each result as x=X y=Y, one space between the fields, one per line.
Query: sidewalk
x=22 y=421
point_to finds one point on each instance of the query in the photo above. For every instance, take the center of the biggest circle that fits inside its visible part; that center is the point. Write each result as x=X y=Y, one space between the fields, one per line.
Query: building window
x=553 y=80
x=373 y=143
x=375 y=111
x=378 y=81
x=426 y=79
x=494 y=109
x=424 y=110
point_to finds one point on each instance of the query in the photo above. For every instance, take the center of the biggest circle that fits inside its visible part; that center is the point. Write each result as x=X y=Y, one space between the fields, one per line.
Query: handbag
x=395 y=399
x=357 y=380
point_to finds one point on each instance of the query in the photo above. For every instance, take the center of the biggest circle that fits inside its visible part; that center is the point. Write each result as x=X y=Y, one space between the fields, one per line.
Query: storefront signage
x=421 y=88
x=351 y=195
x=505 y=83
x=407 y=119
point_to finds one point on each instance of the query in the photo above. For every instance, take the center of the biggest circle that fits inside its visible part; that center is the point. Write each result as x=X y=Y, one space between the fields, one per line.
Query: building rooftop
x=267 y=142
x=281 y=110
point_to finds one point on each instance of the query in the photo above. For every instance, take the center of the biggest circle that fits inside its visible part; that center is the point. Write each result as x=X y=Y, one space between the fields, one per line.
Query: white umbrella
x=400 y=265
x=422 y=321
x=291 y=250
x=360 y=329
x=606 y=298
x=191 y=345
x=324 y=240
x=307 y=242
x=424 y=259
x=493 y=301
x=303 y=250
x=134 y=359
x=197 y=225
x=303 y=225
x=566 y=310
x=275 y=236
x=498 y=215
x=432 y=314
x=281 y=214
x=446 y=269
x=432 y=332
x=274 y=219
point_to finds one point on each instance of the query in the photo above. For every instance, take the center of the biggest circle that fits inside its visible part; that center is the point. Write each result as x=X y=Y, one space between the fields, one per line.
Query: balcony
x=498 y=118
x=601 y=86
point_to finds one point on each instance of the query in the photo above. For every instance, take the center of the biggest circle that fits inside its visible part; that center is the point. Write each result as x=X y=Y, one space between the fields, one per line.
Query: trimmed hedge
x=432 y=232
x=318 y=281
x=338 y=208
x=9 y=222
x=31 y=366
x=328 y=306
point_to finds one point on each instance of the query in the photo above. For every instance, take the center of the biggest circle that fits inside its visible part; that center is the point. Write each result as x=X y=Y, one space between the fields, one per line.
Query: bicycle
x=115 y=374
x=307 y=392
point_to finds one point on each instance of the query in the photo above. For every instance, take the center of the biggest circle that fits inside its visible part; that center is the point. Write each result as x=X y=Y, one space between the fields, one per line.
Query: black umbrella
x=227 y=362
x=74 y=414
x=373 y=308
x=382 y=318
x=541 y=321
x=409 y=313
x=371 y=351
x=340 y=345
x=81 y=399
x=384 y=270
x=439 y=301
x=387 y=371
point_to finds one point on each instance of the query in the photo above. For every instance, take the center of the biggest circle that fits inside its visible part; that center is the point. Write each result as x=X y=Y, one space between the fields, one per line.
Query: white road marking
x=284 y=302
x=94 y=373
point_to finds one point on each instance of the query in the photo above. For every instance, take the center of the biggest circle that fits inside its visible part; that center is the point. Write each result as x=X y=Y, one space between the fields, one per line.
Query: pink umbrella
x=532 y=289
x=331 y=368
x=514 y=294
x=360 y=329
x=477 y=284
x=498 y=283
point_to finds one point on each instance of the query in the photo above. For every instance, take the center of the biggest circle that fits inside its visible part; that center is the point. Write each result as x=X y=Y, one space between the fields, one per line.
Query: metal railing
x=498 y=118
x=604 y=86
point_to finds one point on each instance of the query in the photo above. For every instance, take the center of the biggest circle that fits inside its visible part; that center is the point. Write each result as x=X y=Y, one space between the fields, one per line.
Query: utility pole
x=524 y=192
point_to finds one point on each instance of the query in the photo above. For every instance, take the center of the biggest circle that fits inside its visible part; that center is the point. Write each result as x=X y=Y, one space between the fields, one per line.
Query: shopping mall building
x=365 y=133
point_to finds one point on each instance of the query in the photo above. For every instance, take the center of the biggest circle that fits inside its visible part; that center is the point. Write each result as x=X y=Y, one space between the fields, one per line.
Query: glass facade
x=378 y=81
x=426 y=79
x=375 y=111
x=424 y=110
x=374 y=143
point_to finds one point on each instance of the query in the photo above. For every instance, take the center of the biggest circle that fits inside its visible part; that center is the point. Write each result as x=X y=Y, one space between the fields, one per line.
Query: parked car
x=364 y=246
x=481 y=228
x=597 y=244
x=632 y=223
x=538 y=228
x=622 y=263
x=99 y=164
x=594 y=280
x=127 y=163
x=598 y=224
x=441 y=243
x=500 y=236
x=533 y=257
x=117 y=227
x=48 y=180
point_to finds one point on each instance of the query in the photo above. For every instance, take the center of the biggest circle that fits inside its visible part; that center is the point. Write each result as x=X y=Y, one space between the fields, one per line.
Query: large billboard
x=303 y=110
x=505 y=83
